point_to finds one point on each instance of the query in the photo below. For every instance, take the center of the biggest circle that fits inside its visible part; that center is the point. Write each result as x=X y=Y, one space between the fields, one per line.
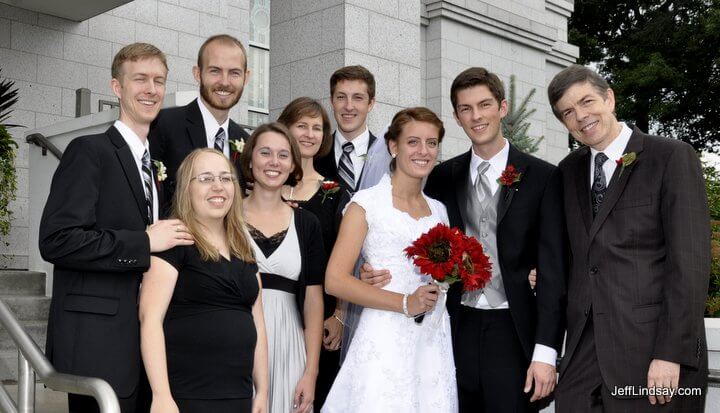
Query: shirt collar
x=615 y=150
x=497 y=163
x=133 y=141
x=211 y=124
x=360 y=142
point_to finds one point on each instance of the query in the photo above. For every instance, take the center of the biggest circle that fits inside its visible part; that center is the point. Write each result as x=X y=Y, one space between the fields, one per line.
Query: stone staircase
x=24 y=293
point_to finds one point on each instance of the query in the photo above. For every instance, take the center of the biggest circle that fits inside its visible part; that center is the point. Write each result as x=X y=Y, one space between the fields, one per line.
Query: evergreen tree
x=515 y=124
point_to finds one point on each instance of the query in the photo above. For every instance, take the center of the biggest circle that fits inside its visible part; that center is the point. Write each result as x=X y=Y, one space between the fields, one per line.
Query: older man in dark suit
x=639 y=229
x=97 y=229
x=222 y=74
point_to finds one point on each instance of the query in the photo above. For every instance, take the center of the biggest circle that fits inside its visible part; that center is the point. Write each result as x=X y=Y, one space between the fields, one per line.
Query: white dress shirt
x=358 y=156
x=212 y=126
x=614 y=151
x=498 y=163
x=138 y=150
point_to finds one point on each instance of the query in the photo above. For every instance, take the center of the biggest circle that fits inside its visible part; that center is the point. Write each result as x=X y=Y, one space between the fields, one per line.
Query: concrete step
x=46 y=400
x=22 y=283
x=28 y=307
x=36 y=329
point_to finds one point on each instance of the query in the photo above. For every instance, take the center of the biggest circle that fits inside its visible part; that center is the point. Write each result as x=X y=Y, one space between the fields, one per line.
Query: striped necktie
x=147 y=184
x=220 y=140
x=345 y=166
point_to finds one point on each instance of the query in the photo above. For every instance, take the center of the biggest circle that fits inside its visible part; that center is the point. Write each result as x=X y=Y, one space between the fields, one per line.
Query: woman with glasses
x=290 y=255
x=202 y=329
x=309 y=125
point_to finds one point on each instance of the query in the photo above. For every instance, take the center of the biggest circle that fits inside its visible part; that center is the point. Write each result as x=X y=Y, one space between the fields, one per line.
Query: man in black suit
x=639 y=228
x=99 y=227
x=506 y=339
x=222 y=74
x=352 y=96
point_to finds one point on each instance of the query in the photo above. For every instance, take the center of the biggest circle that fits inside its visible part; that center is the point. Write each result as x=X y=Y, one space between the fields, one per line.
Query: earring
x=393 y=155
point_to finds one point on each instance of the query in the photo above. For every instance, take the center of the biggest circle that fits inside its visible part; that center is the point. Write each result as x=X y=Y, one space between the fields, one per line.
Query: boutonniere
x=161 y=170
x=328 y=188
x=236 y=145
x=363 y=157
x=509 y=176
x=626 y=160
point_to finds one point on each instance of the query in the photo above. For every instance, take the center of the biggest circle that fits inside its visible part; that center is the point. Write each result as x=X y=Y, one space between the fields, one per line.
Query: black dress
x=210 y=333
x=325 y=207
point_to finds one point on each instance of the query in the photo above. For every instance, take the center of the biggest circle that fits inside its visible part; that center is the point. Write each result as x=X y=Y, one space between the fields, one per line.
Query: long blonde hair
x=234 y=225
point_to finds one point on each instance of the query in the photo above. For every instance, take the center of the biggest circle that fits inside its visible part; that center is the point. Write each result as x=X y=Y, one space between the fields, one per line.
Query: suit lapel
x=371 y=141
x=519 y=161
x=130 y=168
x=460 y=177
x=618 y=182
x=195 y=125
x=582 y=187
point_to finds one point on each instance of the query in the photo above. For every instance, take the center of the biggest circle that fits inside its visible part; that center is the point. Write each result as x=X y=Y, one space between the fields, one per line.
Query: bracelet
x=405 y=308
x=339 y=320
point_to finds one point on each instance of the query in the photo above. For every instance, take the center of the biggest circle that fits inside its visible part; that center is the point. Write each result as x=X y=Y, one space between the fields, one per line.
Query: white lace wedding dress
x=394 y=364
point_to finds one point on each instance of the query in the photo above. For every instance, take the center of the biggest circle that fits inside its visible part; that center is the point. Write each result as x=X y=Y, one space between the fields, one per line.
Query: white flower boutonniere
x=237 y=146
x=161 y=170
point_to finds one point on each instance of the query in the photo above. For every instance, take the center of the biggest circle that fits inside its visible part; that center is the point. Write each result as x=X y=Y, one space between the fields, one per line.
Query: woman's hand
x=304 y=394
x=532 y=278
x=164 y=404
x=260 y=403
x=423 y=299
x=333 y=331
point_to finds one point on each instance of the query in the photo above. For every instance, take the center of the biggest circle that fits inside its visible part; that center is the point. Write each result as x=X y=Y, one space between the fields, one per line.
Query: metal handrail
x=32 y=359
x=43 y=142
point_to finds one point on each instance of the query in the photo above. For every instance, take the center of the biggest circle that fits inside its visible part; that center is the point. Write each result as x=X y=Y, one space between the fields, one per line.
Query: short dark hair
x=570 y=76
x=353 y=73
x=305 y=106
x=477 y=76
x=225 y=39
x=245 y=160
x=405 y=116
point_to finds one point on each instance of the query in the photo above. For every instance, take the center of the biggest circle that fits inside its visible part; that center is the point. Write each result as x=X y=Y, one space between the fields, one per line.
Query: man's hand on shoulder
x=376 y=278
x=168 y=233
x=544 y=376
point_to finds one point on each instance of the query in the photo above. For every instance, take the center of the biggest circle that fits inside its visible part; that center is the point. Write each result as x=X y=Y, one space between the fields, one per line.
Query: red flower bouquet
x=448 y=256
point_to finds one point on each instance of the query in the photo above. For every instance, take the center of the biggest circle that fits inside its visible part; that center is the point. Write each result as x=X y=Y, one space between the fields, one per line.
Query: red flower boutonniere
x=236 y=145
x=509 y=176
x=328 y=188
x=626 y=160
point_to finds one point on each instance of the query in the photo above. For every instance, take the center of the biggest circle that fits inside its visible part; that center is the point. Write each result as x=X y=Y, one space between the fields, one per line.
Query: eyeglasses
x=208 y=178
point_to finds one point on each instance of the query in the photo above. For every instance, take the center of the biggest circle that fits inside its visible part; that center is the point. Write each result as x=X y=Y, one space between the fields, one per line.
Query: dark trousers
x=490 y=363
x=138 y=402
x=581 y=387
x=328 y=370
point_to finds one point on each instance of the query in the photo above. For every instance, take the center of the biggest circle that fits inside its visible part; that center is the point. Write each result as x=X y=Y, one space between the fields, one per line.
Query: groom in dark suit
x=97 y=229
x=222 y=74
x=639 y=230
x=506 y=339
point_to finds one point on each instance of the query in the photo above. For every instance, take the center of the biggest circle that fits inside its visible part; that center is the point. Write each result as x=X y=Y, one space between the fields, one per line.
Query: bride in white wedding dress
x=394 y=364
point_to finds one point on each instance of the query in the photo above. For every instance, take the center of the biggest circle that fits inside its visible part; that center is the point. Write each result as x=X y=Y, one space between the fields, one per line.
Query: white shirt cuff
x=545 y=354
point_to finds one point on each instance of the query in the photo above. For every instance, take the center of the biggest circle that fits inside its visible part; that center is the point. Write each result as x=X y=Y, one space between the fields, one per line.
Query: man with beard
x=222 y=74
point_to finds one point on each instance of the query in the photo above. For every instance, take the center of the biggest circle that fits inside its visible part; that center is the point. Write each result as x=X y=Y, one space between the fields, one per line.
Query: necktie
x=345 y=166
x=220 y=140
x=482 y=184
x=147 y=184
x=599 y=183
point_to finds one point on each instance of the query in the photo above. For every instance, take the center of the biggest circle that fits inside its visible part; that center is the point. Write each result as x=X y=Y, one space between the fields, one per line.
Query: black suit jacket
x=93 y=231
x=530 y=234
x=328 y=168
x=174 y=134
x=641 y=266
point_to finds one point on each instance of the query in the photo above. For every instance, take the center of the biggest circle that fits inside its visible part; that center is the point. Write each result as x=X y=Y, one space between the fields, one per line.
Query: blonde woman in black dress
x=202 y=328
